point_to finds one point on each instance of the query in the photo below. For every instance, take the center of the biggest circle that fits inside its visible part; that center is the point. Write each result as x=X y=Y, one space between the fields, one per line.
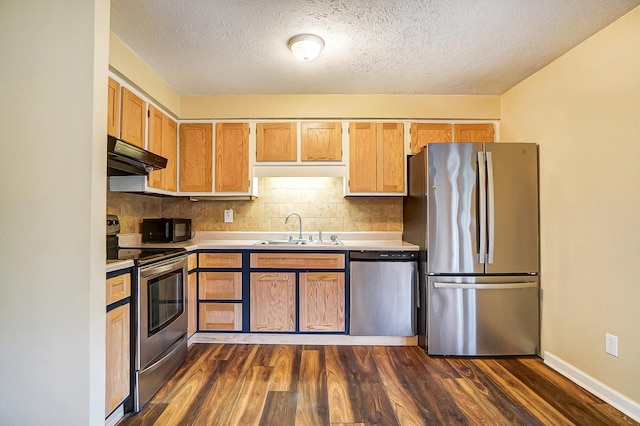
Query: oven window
x=166 y=301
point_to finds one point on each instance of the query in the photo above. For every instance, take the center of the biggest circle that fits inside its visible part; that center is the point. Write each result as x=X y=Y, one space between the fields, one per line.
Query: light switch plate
x=611 y=344
x=228 y=215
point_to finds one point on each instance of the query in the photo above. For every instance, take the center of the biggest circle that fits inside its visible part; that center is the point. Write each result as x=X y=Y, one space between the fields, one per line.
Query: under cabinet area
x=297 y=292
x=118 y=340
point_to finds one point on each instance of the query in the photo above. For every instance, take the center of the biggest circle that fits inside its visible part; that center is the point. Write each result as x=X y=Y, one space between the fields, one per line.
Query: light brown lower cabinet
x=322 y=302
x=272 y=299
x=117 y=357
x=220 y=316
x=192 y=303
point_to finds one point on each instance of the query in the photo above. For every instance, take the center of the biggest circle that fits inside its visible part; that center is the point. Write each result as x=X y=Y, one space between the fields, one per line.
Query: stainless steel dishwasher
x=383 y=293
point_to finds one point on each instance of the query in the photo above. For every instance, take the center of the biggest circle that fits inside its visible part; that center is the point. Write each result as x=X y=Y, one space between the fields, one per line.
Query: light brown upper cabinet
x=163 y=141
x=481 y=132
x=424 y=133
x=113 y=109
x=134 y=118
x=321 y=141
x=232 y=157
x=196 y=154
x=376 y=157
x=276 y=142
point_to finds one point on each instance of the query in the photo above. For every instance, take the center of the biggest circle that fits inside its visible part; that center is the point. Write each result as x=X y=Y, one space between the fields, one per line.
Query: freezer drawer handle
x=505 y=286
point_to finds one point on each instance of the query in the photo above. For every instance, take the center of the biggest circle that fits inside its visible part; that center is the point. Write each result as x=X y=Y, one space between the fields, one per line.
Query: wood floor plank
x=407 y=393
x=423 y=375
x=286 y=368
x=279 y=409
x=508 y=408
x=477 y=409
x=225 y=392
x=312 y=406
x=252 y=396
x=531 y=401
x=340 y=407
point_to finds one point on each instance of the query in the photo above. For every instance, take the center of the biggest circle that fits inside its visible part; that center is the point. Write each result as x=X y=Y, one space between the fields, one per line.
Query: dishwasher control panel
x=384 y=255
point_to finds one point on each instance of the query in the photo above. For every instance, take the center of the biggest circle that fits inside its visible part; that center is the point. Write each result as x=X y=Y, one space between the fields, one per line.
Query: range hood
x=125 y=159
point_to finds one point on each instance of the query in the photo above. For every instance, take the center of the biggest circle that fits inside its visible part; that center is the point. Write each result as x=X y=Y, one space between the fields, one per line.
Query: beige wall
x=124 y=62
x=341 y=106
x=584 y=111
x=52 y=202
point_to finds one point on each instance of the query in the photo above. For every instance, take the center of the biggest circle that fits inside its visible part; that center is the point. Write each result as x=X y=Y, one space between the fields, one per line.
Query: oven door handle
x=160 y=268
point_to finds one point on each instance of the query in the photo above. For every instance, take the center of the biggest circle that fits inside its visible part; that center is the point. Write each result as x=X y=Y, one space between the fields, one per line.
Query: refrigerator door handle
x=501 y=286
x=491 y=208
x=482 y=208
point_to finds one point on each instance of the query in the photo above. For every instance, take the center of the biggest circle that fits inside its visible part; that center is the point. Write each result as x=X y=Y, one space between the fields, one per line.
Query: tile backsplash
x=319 y=201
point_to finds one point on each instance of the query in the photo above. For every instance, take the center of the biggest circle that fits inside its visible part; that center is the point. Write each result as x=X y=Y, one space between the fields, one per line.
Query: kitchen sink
x=297 y=243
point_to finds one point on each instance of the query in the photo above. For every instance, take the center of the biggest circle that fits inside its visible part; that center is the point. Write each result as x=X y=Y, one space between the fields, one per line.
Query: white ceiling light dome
x=305 y=47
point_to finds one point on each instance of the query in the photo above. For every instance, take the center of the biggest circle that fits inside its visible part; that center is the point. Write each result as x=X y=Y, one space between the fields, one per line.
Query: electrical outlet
x=228 y=215
x=611 y=344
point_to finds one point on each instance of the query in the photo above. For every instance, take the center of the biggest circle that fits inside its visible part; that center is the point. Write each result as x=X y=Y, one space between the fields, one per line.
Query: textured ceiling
x=449 y=47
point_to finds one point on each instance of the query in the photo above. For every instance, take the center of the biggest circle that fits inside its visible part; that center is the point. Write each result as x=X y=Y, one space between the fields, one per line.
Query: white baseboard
x=302 y=339
x=115 y=417
x=611 y=396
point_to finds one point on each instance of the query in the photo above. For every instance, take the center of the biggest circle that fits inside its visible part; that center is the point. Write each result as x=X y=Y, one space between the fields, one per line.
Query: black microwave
x=165 y=230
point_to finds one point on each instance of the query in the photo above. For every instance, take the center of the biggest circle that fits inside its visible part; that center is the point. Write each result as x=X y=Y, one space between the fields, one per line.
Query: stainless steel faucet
x=299 y=219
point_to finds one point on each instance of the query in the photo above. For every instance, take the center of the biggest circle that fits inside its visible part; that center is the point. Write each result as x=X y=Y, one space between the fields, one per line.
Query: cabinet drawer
x=220 y=260
x=220 y=285
x=192 y=261
x=220 y=316
x=118 y=288
x=298 y=260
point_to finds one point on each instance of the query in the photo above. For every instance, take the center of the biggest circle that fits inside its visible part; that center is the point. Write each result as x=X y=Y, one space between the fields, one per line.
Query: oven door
x=162 y=318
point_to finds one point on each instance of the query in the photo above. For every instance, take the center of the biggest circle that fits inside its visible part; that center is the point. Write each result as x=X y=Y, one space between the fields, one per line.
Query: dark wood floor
x=366 y=385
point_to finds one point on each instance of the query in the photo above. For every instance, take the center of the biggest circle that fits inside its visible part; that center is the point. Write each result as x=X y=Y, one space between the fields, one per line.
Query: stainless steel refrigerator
x=473 y=210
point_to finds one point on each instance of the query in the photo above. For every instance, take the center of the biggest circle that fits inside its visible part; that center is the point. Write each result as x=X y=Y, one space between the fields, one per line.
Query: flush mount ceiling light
x=305 y=47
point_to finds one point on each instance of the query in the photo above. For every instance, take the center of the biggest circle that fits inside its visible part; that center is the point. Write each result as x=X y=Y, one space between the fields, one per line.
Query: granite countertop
x=352 y=241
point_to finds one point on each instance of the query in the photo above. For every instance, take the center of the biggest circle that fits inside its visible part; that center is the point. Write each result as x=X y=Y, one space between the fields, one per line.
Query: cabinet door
x=321 y=301
x=232 y=157
x=482 y=132
x=220 y=316
x=170 y=152
x=134 y=118
x=220 y=260
x=117 y=357
x=362 y=157
x=192 y=307
x=272 y=300
x=276 y=142
x=424 y=133
x=113 y=109
x=196 y=157
x=118 y=288
x=390 y=173
x=220 y=286
x=162 y=141
x=321 y=142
